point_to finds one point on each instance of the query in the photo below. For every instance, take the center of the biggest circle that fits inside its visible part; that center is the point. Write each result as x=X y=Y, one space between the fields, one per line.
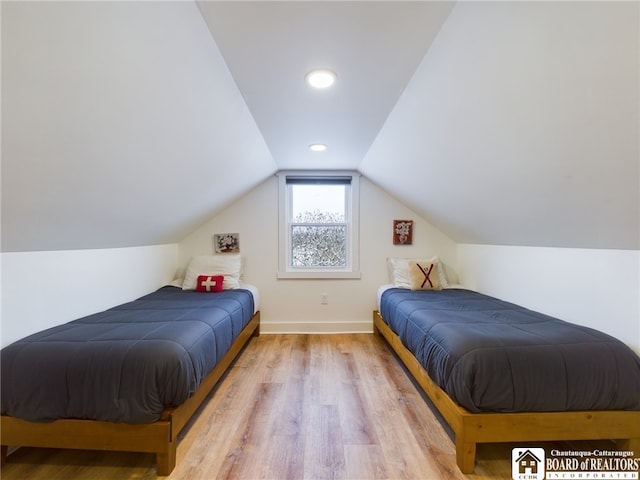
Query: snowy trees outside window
x=319 y=239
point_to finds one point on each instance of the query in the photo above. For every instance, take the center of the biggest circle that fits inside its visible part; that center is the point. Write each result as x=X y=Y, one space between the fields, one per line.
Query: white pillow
x=225 y=264
x=399 y=271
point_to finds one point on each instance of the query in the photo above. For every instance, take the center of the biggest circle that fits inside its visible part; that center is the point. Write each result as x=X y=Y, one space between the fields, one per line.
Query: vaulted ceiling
x=508 y=123
x=373 y=47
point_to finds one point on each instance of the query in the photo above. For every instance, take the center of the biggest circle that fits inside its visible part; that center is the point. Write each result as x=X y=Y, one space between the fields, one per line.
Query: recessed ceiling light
x=321 y=78
x=317 y=147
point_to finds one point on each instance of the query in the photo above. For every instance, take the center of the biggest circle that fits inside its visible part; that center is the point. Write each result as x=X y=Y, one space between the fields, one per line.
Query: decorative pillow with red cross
x=424 y=276
x=209 y=283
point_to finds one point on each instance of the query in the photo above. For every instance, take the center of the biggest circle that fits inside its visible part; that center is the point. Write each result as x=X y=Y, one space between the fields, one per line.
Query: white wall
x=294 y=305
x=596 y=288
x=43 y=289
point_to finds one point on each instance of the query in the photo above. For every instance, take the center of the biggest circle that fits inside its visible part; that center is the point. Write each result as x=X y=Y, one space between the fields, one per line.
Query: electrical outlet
x=324 y=299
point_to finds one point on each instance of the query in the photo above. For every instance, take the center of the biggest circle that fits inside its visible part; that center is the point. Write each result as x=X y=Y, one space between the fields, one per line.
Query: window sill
x=318 y=275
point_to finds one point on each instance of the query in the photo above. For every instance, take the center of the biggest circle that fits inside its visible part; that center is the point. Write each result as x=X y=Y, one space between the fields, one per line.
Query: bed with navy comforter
x=498 y=372
x=126 y=364
x=492 y=355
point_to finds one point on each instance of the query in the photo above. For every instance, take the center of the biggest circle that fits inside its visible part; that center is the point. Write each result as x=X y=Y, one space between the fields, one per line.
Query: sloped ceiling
x=121 y=125
x=129 y=123
x=521 y=127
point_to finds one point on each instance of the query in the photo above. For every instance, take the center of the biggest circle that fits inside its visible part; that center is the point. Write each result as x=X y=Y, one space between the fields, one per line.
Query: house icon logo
x=527 y=463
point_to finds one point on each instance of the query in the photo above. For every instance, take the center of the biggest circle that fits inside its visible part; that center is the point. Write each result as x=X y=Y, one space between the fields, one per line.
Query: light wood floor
x=298 y=407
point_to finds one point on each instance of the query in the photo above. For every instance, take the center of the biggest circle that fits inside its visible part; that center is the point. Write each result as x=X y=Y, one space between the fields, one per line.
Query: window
x=318 y=224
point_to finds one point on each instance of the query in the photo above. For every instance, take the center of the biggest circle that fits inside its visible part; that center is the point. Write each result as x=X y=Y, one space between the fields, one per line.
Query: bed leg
x=3 y=454
x=256 y=331
x=465 y=456
x=166 y=461
x=376 y=331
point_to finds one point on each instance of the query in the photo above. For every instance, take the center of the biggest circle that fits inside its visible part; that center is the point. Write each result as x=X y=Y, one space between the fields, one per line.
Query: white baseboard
x=316 y=327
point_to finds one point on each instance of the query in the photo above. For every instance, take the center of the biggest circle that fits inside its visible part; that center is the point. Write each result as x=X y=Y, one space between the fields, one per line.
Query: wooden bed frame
x=469 y=428
x=159 y=437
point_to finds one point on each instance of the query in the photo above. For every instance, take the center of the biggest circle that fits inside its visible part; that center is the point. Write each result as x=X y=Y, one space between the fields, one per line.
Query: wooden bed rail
x=469 y=428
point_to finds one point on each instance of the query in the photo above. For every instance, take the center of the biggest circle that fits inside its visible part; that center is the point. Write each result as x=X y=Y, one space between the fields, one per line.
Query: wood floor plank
x=286 y=461
x=299 y=407
x=324 y=448
x=355 y=416
x=365 y=462
x=290 y=413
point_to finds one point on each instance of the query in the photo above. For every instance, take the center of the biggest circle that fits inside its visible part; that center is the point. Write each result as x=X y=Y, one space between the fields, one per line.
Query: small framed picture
x=226 y=243
x=402 y=232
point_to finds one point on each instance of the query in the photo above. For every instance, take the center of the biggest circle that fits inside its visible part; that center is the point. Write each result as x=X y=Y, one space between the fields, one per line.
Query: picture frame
x=226 y=243
x=402 y=232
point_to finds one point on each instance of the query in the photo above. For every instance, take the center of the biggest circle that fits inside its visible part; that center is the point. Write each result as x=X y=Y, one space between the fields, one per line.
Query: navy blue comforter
x=125 y=364
x=491 y=355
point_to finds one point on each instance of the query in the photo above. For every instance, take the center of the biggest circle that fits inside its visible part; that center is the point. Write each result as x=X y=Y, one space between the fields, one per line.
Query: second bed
x=499 y=372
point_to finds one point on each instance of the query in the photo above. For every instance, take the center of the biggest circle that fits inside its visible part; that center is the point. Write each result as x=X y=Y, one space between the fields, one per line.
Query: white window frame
x=352 y=213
